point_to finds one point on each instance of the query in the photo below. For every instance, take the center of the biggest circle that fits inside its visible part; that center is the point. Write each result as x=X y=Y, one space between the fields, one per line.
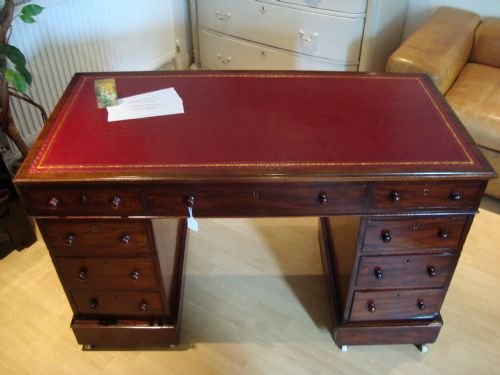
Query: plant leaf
x=27 y=19
x=16 y=79
x=31 y=10
x=18 y=59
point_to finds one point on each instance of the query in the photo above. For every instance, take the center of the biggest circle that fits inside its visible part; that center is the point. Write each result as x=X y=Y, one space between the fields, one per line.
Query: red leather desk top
x=279 y=123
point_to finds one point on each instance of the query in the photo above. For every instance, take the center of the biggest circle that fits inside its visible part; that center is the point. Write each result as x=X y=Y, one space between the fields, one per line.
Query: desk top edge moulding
x=380 y=159
x=282 y=124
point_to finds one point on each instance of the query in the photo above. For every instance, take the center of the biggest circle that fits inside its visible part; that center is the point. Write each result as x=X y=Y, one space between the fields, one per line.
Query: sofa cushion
x=486 y=49
x=440 y=47
x=475 y=97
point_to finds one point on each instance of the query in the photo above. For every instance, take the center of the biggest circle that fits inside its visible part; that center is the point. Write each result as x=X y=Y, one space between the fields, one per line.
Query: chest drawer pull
x=386 y=236
x=455 y=196
x=143 y=306
x=53 y=203
x=82 y=275
x=125 y=239
x=93 y=303
x=69 y=239
x=371 y=307
x=378 y=273
x=323 y=198
x=395 y=196
x=135 y=274
x=308 y=39
x=116 y=202
x=421 y=304
x=443 y=234
x=431 y=271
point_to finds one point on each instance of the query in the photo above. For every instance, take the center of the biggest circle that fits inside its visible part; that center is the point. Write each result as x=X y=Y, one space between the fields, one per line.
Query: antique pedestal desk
x=381 y=160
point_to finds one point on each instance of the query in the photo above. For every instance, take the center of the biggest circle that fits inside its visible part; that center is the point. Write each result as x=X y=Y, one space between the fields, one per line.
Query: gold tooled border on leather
x=39 y=165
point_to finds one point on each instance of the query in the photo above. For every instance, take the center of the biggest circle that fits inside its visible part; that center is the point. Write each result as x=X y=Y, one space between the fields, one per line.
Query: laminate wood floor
x=255 y=302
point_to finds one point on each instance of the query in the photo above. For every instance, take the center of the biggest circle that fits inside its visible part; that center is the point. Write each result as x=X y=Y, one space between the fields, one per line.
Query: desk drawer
x=113 y=303
x=119 y=332
x=454 y=195
x=256 y=200
x=83 y=200
x=405 y=235
x=396 y=305
x=107 y=273
x=96 y=238
x=424 y=271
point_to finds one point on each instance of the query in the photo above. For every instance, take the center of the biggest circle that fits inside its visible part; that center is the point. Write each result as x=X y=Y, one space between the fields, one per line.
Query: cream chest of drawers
x=336 y=35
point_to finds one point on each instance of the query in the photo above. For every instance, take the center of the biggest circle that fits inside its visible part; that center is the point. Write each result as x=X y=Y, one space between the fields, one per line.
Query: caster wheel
x=344 y=348
x=423 y=348
x=87 y=347
x=172 y=346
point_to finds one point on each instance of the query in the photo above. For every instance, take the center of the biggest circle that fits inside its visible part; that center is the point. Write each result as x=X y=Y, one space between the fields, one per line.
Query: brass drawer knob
x=421 y=304
x=143 y=306
x=455 y=196
x=431 y=271
x=371 y=307
x=386 y=236
x=53 y=203
x=378 y=273
x=69 y=239
x=82 y=275
x=323 y=198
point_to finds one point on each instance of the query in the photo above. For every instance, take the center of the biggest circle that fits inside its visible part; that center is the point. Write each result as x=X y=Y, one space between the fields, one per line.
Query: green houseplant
x=14 y=76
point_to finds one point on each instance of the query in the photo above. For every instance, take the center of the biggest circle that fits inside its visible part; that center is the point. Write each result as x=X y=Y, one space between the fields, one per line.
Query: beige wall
x=419 y=10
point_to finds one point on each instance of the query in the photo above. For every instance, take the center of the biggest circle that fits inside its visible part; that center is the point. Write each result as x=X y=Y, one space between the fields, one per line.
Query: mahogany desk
x=381 y=159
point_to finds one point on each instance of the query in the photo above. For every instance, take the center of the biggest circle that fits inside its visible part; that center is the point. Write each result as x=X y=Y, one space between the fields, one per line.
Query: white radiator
x=92 y=35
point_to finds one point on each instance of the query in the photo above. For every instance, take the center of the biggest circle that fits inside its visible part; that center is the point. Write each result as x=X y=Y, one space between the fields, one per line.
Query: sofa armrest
x=486 y=49
x=440 y=47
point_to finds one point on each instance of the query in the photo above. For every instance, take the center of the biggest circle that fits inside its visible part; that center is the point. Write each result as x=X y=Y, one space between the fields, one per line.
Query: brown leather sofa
x=461 y=54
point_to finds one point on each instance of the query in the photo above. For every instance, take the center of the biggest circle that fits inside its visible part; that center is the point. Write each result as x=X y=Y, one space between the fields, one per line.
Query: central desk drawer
x=396 y=305
x=405 y=271
x=404 y=235
x=121 y=303
x=107 y=273
x=256 y=200
x=96 y=238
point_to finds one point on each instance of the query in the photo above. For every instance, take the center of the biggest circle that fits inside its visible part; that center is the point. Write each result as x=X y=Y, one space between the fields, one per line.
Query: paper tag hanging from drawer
x=191 y=221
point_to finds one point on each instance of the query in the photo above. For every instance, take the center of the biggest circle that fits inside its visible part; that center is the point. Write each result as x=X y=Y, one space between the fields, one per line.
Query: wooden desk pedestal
x=381 y=160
